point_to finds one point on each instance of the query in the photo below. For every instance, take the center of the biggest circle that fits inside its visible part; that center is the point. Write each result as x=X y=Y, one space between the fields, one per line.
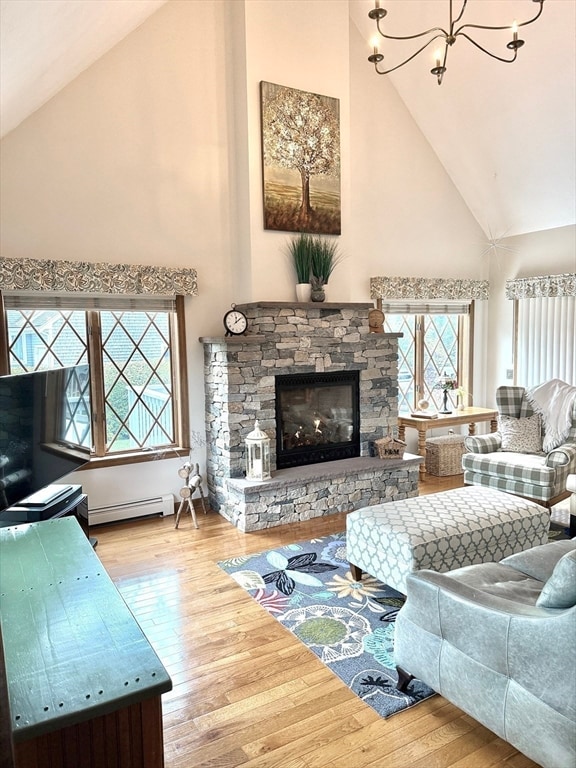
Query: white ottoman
x=441 y=532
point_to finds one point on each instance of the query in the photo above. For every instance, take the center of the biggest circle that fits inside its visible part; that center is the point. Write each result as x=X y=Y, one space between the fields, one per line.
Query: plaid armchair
x=540 y=477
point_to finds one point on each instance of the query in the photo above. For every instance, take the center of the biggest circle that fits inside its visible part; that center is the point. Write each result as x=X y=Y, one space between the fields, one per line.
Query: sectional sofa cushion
x=539 y=562
x=560 y=589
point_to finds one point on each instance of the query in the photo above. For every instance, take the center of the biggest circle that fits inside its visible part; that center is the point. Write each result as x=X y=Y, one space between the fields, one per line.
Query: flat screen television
x=45 y=432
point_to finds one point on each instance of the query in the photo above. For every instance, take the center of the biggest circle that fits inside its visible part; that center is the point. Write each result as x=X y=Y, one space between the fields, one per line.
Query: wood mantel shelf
x=254 y=338
x=355 y=305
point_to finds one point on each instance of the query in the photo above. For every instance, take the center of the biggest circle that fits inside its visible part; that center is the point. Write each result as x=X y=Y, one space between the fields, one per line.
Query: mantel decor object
x=235 y=322
x=299 y=251
x=325 y=256
x=389 y=447
x=257 y=454
x=303 y=291
x=314 y=258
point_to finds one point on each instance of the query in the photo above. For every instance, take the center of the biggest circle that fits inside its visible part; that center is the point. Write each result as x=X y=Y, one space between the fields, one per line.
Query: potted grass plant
x=314 y=259
x=324 y=259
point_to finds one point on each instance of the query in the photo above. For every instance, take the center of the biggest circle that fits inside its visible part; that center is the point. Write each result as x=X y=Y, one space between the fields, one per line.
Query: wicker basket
x=444 y=455
x=389 y=448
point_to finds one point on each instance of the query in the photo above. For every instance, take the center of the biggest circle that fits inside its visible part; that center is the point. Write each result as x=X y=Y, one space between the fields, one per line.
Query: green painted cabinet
x=80 y=671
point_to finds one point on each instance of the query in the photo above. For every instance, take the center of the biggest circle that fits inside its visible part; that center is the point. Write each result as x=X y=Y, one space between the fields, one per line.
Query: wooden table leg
x=422 y=449
x=401 y=432
x=493 y=425
x=472 y=428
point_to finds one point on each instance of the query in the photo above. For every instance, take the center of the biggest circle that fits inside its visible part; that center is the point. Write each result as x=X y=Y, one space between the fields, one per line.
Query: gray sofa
x=499 y=641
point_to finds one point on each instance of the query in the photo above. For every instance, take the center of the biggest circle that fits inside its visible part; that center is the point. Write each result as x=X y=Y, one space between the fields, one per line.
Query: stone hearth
x=286 y=338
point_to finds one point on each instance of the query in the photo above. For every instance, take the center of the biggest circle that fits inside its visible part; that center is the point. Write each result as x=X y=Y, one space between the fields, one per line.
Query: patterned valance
x=546 y=286
x=426 y=288
x=75 y=276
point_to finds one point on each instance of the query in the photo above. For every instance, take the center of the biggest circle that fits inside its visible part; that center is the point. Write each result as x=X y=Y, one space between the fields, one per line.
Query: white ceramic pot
x=303 y=291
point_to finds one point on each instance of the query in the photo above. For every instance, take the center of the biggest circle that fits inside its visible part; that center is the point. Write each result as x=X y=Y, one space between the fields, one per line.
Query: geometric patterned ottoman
x=441 y=531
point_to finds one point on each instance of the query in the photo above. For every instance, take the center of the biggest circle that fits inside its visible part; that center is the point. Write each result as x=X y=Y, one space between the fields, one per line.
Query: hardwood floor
x=246 y=693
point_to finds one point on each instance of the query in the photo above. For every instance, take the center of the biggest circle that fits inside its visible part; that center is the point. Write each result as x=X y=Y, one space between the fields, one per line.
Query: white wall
x=548 y=252
x=133 y=481
x=408 y=219
x=295 y=49
x=132 y=162
x=152 y=156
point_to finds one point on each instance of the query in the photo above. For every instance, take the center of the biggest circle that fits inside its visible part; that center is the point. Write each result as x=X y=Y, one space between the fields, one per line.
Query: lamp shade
x=257 y=454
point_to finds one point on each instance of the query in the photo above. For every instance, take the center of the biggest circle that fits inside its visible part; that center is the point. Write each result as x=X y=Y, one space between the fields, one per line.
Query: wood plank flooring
x=246 y=693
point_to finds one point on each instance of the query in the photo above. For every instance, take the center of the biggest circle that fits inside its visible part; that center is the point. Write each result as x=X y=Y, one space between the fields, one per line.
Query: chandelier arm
x=508 y=26
x=456 y=20
x=412 y=37
x=484 y=50
x=378 y=14
x=387 y=71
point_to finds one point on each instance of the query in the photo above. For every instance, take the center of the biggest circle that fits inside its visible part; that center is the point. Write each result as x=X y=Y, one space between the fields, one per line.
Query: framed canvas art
x=300 y=160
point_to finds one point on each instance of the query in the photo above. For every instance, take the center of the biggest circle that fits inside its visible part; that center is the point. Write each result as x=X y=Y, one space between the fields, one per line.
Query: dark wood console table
x=468 y=416
x=84 y=684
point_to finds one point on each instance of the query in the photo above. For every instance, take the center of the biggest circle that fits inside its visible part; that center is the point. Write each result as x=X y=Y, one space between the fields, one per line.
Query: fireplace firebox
x=317 y=418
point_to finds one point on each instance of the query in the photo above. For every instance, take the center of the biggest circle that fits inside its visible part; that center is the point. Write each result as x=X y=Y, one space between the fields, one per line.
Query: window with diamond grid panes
x=137 y=379
x=40 y=340
x=406 y=358
x=440 y=353
x=134 y=352
x=431 y=346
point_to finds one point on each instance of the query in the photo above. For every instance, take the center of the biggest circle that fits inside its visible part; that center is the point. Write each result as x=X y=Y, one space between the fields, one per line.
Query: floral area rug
x=349 y=625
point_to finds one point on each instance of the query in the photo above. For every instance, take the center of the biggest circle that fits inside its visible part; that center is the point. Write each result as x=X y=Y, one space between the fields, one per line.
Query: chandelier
x=447 y=38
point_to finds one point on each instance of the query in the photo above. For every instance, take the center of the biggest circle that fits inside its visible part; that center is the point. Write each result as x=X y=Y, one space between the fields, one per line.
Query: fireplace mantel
x=259 y=338
x=307 y=305
x=232 y=340
x=289 y=318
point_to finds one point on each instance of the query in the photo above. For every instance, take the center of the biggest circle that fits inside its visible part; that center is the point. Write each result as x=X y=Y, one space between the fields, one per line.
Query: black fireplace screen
x=317 y=418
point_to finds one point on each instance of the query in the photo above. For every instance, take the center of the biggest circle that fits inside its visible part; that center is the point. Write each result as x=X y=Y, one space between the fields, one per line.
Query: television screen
x=44 y=429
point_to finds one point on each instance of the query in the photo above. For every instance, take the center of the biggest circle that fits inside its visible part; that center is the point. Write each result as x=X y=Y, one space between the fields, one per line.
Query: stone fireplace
x=306 y=347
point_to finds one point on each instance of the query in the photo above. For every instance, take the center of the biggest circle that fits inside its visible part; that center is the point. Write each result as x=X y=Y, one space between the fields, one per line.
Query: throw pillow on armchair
x=522 y=435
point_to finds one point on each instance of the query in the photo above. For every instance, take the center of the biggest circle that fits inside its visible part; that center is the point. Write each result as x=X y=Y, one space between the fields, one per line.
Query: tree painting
x=301 y=160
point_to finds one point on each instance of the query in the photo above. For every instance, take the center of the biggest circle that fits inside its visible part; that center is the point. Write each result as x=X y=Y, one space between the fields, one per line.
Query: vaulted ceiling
x=45 y=44
x=505 y=133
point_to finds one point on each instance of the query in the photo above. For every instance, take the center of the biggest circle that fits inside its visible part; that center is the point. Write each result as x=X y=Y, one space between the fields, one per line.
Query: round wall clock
x=376 y=321
x=235 y=322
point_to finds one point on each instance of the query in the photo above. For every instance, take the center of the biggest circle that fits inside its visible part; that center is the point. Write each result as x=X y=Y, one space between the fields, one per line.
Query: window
x=133 y=348
x=436 y=340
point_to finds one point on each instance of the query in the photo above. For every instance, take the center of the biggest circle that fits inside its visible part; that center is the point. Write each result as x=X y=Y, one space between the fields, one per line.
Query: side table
x=470 y=416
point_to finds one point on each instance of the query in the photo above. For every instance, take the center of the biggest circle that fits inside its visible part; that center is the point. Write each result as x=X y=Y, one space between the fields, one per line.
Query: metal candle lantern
x=257 y=454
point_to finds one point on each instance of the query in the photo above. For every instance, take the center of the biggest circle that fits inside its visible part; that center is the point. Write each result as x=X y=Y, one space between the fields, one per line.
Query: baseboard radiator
x=158 y=505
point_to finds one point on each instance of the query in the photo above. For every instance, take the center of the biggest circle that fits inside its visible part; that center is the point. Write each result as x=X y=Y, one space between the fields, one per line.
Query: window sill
x=120 y=459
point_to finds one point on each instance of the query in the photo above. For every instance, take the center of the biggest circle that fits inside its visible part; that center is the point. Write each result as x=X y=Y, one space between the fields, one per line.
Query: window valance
x=542 y=287
x=426 y=288
x=100 y=277
x=429 y=307
x=113 y=302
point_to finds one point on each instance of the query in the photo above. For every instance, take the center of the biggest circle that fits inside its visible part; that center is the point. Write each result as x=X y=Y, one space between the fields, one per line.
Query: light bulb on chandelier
x=448 y=36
